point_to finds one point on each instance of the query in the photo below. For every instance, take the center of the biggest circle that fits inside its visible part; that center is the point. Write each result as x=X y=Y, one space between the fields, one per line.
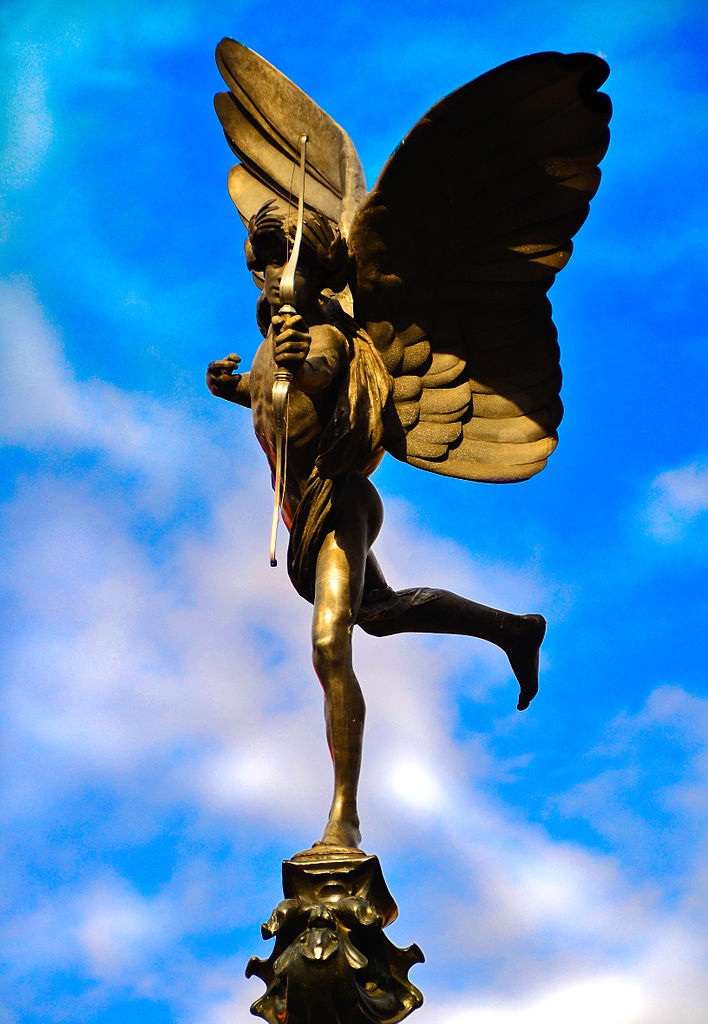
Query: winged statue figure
x=411 y=319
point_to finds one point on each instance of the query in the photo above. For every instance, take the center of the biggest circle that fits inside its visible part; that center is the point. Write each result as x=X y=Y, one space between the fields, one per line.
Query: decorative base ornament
x=332 y=963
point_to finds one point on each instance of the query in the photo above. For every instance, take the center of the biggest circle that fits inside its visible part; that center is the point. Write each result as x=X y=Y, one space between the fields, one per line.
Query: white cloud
x=677 y=498
x=659 y=977
x=172 y=672
x=177 y=675
x=49 y=409
x=117 y=928
x=224 y=996
x=611 y=998
x=29 y=119
x=41 y=395
x=414 y=782
x=117 y=941
x=662 y=758
x=654 y=812
x=185 y=649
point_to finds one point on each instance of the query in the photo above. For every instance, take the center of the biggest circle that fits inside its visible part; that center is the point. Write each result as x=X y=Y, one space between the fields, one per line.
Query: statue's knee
x=330 y=649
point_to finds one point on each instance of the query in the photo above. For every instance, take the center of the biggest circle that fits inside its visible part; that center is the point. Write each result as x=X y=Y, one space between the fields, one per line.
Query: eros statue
x=411 y=319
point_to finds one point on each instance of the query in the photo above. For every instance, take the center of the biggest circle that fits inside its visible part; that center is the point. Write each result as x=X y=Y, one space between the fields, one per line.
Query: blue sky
x=162 y=730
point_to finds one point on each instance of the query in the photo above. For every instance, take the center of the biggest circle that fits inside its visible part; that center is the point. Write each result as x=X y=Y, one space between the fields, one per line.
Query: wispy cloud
x=129 y=667
x=678 y=497
x=616 y=999
x=162 y=726
x=49 y=409
x=29 y=120
x=141 y=668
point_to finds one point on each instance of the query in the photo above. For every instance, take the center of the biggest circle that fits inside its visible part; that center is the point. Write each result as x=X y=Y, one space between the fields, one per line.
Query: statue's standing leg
x=339 y=587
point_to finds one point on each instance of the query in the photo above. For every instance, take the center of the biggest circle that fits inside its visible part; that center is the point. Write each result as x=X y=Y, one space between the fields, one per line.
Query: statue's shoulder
x=335 y=316
x=329 y=337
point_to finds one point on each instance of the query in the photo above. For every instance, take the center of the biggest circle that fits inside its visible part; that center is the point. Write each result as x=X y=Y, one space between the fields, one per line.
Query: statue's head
x=323 y=255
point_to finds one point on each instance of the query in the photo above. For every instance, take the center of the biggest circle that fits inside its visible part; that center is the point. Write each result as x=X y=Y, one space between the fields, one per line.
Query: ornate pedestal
x=332 y=963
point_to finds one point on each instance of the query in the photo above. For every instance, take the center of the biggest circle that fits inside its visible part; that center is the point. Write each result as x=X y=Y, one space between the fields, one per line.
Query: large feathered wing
x=263 y=116
x=456 y=247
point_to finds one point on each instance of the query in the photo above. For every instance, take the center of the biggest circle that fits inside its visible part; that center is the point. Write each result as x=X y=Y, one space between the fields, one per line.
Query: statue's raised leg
x=385 y=612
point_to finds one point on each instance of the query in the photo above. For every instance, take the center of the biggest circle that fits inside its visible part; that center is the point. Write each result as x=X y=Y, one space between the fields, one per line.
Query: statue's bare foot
x=523 y=654
x=341 y=832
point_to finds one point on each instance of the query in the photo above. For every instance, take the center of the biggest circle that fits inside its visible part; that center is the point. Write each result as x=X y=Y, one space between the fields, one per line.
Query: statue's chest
x=307 y=415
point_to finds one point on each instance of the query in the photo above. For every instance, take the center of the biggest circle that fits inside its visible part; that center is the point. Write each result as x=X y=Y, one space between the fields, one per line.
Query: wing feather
x=263 y=116
x=455 y=249
x=484 y=472
x=515 y=429
x=272 y=163
x=248 y=191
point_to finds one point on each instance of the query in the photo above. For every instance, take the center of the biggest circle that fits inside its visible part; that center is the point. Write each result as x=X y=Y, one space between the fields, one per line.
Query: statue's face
x=271 y=288
x=307 y=283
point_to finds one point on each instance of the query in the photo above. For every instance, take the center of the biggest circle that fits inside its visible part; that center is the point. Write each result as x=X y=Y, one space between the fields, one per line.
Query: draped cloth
x=352 y=441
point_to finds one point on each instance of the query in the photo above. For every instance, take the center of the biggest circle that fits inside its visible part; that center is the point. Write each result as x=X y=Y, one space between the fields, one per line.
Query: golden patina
x=411 y=319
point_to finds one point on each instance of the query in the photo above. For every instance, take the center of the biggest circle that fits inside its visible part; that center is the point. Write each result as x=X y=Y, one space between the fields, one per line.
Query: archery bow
x=283 y=376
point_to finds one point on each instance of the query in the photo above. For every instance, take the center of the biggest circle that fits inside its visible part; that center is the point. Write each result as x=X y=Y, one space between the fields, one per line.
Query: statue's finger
x=287 y=355
x=291 y=353
x=288 y=337
x=295 y=322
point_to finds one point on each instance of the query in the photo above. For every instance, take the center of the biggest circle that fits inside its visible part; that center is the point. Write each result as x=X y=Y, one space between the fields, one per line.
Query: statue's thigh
x=341 y=562
x=339 y=582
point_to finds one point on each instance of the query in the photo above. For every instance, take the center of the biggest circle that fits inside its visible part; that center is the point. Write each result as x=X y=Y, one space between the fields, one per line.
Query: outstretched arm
x=223 y=382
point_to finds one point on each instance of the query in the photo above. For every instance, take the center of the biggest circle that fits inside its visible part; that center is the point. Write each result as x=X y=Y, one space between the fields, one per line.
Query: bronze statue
x=450 y=361
x=411 y=319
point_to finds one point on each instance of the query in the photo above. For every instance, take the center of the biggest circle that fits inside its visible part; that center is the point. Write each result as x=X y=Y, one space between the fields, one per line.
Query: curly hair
x=273 y=227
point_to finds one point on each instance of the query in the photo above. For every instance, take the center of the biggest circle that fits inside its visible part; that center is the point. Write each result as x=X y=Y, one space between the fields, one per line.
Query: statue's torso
x=308 y=415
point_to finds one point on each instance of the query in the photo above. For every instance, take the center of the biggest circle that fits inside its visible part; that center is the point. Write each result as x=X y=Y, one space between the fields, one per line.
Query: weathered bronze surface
x=332 y=962
x=418 y=323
